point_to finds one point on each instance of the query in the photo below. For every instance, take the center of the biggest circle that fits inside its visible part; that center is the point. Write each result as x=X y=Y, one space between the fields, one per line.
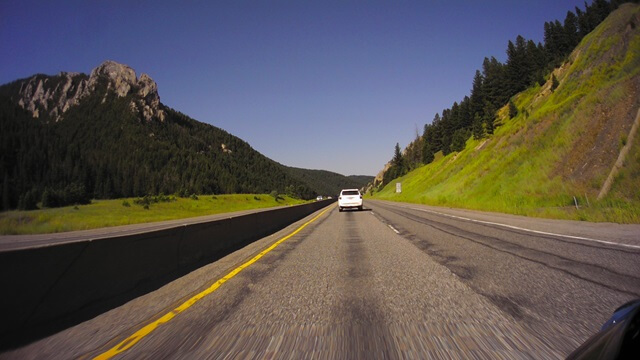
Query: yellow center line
x=133 y=339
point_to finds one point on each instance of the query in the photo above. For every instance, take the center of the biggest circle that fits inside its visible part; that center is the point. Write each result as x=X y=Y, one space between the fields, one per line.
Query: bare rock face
x=121 y=77
x=378 y=179
x=38 y=93
x=149 y=99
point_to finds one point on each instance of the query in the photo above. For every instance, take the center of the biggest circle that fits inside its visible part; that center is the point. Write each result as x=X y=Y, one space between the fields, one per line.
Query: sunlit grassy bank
x=558 y=150
x=103 y=213
x=551 y=200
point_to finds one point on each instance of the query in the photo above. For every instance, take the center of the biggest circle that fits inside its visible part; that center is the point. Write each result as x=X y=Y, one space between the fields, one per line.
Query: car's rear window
x=351 y=192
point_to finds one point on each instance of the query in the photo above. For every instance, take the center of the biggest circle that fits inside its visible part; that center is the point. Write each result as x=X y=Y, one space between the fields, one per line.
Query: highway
x=393 y=281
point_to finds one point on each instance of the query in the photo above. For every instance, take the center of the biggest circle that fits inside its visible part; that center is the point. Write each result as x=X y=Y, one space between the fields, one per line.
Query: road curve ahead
x=394 y=281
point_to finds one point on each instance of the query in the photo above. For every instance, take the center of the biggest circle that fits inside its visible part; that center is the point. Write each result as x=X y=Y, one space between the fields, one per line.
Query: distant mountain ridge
x=107 y=135
x=328 y=183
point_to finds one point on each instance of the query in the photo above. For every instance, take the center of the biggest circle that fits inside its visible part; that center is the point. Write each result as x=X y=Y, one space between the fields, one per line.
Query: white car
x=350 y=198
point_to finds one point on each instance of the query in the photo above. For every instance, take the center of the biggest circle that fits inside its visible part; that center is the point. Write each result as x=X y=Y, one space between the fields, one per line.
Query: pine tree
x=536 y=60
x=519 y=66
x=477 y=97
x=459 y=139
x=601 y=9
x=571 y=30
x=49 y=199
x=428 y=147
x=555 y=42
x=584 y=25
x=465 y=114
x=495 y=85
x=397 y=156
x=478 y=129
x=427 y=153
x=447 y=129
x=549 y=39
x=413 y=157
x=454 y=116
x=489 y=118
x=433 y=133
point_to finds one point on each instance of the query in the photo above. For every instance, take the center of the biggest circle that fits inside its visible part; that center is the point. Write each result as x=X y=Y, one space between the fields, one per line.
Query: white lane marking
x=529 y=230
x=394 y=229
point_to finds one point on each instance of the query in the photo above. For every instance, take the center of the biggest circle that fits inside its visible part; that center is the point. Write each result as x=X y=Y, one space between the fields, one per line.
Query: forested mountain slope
x=555 y=143
x=74 y=137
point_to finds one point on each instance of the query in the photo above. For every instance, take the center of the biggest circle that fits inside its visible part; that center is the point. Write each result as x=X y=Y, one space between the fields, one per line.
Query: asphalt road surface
x=393 y=281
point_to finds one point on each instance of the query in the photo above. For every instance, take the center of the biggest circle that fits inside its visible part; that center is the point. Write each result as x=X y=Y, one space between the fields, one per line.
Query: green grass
x=516 y=169
x=104 y=213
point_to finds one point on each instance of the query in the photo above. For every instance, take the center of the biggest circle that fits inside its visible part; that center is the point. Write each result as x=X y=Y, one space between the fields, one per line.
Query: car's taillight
x=360 y=196
x=339 y=197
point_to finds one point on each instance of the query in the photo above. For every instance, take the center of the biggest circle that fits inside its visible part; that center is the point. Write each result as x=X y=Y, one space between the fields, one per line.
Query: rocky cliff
x=54 y=96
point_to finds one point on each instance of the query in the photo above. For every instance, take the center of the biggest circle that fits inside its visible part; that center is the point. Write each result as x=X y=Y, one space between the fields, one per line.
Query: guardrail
x=49 y=288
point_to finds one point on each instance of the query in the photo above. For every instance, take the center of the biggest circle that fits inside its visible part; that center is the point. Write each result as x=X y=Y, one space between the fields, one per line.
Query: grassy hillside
x=562 y=144
x=103 y=213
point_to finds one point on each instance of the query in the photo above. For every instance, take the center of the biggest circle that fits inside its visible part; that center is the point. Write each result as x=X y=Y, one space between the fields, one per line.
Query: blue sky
x=327 y=85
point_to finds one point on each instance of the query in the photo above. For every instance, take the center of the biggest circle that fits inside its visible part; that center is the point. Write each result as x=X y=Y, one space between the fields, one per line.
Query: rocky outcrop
x=378 y=179
x=149 y=100
x=121 y=77
x=56 y=95
x=225 y=149
x=39 y=93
